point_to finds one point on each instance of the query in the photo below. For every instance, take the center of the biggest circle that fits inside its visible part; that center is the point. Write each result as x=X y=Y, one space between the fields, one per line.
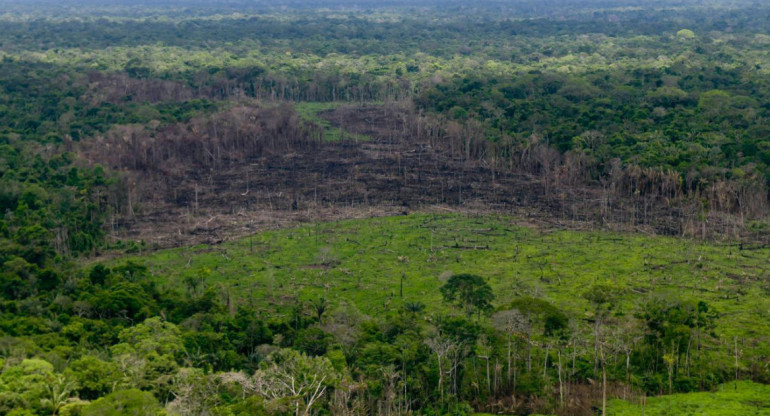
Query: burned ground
x=181 y=201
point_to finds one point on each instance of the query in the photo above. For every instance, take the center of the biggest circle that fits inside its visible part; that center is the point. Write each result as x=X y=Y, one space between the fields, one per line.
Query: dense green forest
x=562 y=207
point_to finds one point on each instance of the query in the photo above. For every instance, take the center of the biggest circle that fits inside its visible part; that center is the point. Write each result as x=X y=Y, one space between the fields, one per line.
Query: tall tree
x=469 y=292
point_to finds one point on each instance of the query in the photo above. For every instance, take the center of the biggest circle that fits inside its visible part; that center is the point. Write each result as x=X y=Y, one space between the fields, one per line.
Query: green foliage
x=470 y=292
x=552 y=319
x=267 y=332
x=686 y=34
x=151 y=336
x=666 y=117
x=603 y=297
x=124 y=403
x=292 y=377
x=312 y=341
x=28 y=377
x=95 y=377
x=739 y=398
x=310 y=112
x=253 y=405
x=575 y=261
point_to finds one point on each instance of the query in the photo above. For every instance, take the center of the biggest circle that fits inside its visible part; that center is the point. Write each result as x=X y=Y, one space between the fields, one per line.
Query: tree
x=124 y=403
x=470 y=292
x=95 y=377
x=414 y=308
x=603 y=298
x=249 y=331
x=674 y=328
x=442 y=347
x=57 y=392
x=512 y=322
x=294 y=377
x=312 y=341
x=27 y=384
x=463 y=335
x=152 y=335
x=319 y=306
x=194 y=393
x=685 y=34
x=146 y=354
x=624 y=336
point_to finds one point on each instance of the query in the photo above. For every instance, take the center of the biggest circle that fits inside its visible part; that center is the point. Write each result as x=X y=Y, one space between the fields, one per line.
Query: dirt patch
x=392 y=174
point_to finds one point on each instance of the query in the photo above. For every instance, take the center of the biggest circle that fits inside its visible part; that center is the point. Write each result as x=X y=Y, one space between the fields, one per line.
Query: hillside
x=372 y=290
x=431 y=207
x=366 y=263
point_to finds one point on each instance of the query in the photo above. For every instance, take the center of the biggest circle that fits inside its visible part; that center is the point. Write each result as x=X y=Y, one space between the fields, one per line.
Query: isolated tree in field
x=470 y=292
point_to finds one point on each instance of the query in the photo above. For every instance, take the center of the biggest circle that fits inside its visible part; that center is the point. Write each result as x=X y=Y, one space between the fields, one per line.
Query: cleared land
x=378 y=168
x=742 y=398
x=362 y=263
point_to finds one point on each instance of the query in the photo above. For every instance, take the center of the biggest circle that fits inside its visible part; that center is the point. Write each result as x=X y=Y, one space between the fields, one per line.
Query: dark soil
x=391 y=174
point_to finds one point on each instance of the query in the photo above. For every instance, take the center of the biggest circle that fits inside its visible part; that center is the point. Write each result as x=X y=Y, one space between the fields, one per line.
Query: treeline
x=703 y=121
x=673 y=134
x=87 y=342
x=352 y=30
x=52 y=206
x=138 y=85
x=52 y=203
x=688 y=136
x=236 y=135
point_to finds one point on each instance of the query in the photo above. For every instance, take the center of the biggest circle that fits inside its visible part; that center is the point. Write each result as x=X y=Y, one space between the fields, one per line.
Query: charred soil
x=252 y=169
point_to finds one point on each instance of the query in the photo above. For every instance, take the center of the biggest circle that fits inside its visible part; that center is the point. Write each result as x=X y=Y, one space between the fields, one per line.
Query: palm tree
x=320 y=306
x=414 y=307
x=58 y=393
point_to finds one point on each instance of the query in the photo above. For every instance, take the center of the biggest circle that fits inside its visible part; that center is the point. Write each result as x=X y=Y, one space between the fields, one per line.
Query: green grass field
x=308 y=111
x=361 y=262
x=732 y=399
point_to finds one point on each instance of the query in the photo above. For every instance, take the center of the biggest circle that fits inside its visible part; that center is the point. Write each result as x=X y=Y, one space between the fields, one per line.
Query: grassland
x=742 y=398
x=363 y=263
x=731 y=399
x=309 y=112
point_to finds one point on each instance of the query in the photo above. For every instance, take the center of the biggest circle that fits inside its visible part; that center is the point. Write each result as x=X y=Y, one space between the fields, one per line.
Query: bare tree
x=194 y=393
x=443 y=348
x=348 y=399
x=303 y=380
x=513 y=323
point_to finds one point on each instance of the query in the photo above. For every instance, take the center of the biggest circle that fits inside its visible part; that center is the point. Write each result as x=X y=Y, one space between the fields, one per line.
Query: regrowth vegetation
x=353 y=310
x=129 y=127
